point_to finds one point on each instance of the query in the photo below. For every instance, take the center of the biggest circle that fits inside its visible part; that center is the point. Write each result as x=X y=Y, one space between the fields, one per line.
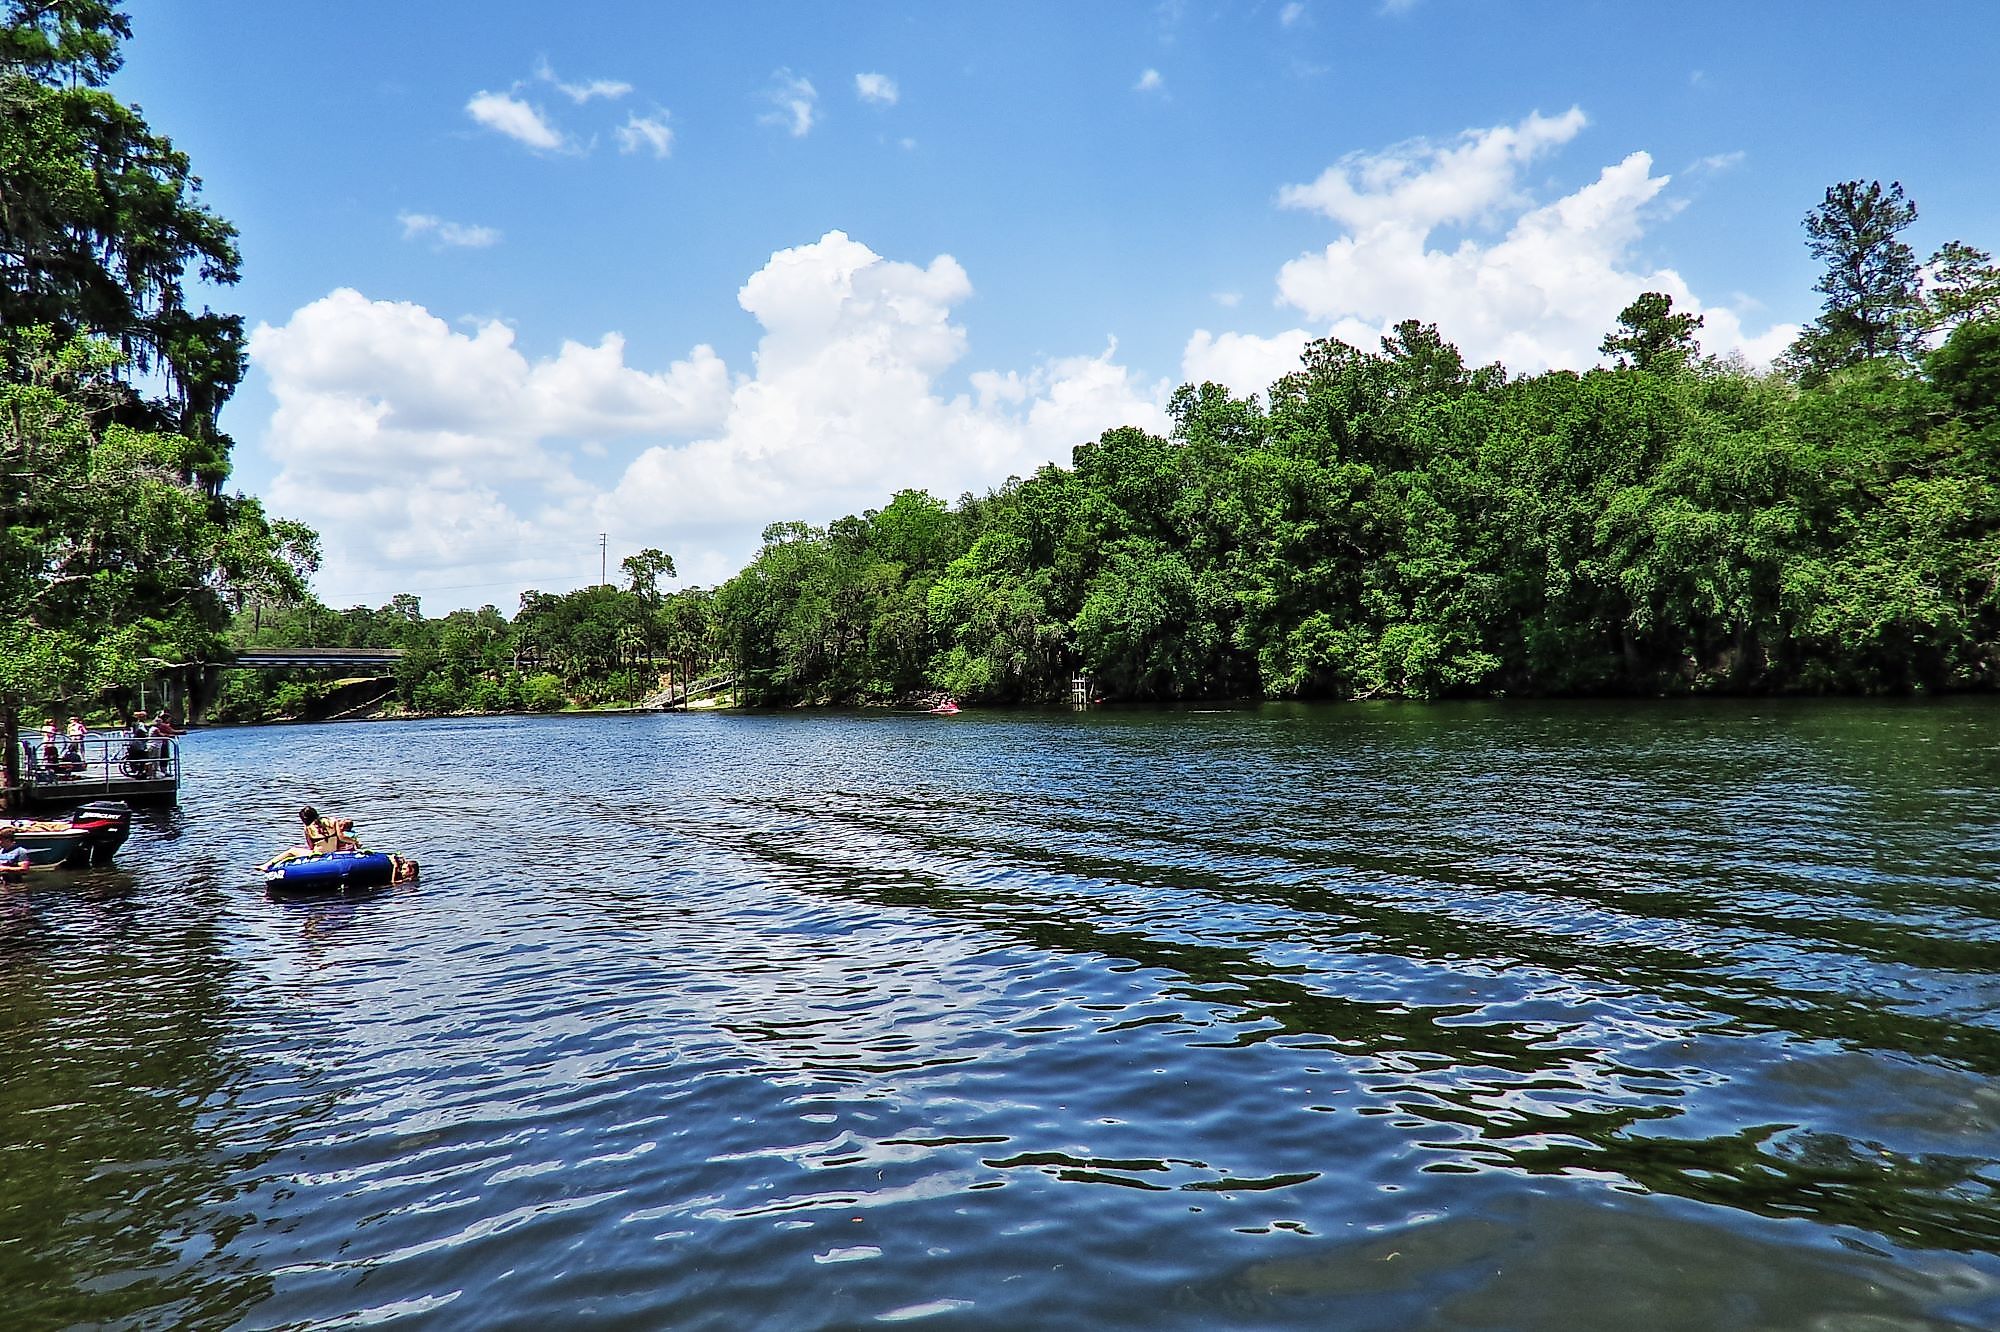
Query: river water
x=1368 y=1017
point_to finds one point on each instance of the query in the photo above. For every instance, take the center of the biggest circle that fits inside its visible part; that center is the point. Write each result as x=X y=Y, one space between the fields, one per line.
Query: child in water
x=14 y=858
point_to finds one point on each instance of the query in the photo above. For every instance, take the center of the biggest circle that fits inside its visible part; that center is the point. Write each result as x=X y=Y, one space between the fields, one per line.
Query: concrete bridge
x=302 y=658
x=188 y=690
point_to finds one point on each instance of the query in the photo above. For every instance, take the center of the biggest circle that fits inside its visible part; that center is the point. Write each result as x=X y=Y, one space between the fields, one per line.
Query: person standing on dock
x=72 y=755
x=163 y=734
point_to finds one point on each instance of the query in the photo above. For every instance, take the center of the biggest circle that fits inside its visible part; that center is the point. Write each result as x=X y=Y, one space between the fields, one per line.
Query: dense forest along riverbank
x=1375 y=1016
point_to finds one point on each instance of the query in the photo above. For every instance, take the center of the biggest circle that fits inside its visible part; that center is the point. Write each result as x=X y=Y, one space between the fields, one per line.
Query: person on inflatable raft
x=325 y=833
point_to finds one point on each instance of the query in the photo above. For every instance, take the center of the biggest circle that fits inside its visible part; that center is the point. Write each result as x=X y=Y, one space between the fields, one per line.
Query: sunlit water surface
x=1514 y=1016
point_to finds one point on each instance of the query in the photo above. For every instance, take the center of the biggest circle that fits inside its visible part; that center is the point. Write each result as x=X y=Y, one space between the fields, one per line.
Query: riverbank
x=402 y=715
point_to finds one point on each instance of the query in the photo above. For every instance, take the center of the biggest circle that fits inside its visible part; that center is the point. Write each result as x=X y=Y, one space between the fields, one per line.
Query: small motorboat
x=91 y=835
x=337 y=872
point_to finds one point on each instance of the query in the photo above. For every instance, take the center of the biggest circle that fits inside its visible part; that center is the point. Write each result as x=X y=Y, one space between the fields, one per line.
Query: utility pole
x=603 y=579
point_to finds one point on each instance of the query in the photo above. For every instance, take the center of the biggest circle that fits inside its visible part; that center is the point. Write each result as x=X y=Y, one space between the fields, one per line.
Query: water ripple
x=1371 y=1017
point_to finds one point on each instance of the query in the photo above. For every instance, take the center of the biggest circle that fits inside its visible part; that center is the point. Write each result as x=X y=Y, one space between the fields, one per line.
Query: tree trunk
x=10 y=727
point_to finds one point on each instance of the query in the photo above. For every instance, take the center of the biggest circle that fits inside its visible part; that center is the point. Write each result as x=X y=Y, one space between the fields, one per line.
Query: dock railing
x=98 y=765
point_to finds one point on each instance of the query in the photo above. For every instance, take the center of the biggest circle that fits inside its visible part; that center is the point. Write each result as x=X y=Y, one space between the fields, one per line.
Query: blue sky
x=672 y=272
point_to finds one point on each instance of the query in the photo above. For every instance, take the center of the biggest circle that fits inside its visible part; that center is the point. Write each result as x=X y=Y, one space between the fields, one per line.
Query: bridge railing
x=678 y=696
x=271 y=659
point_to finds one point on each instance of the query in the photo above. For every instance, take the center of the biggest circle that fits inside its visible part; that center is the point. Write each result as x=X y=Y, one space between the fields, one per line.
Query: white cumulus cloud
x=1242 y=362
x=432 y=457
x=845 y=407
x=1149 y=81
x=1720 y=161
x=518 y=120
x=879 y=89
x=1529 y=283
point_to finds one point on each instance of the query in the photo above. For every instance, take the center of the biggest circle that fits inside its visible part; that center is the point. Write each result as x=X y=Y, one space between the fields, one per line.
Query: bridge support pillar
x=191 y=692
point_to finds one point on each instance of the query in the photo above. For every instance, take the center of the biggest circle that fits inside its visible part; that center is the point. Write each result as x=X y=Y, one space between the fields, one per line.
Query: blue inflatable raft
x=338 y=872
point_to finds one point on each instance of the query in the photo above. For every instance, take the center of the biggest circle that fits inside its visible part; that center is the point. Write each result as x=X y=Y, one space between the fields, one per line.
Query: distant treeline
x=600 y=646
x=1381 y=524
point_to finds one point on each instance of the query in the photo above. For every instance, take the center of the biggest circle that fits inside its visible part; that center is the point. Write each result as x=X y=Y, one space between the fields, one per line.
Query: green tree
x=1967 y=369
x=100 y=231
x=119 y=553
x=1000 y=612
x=644 y=571
x=1650 y=336
x=1872 y=283
x=1964 y=285
x=688 y=630
x=112 y=567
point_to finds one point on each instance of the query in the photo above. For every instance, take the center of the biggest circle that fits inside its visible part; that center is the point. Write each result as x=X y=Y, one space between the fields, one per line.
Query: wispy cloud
x=518 y=120
x=878 y=89
x=1717 y=162
x=609 y=89
x=646 y=134
x=513 y=114
x=1150 y=81
x=795 y=102
x=1291 y=14
x=457 y=235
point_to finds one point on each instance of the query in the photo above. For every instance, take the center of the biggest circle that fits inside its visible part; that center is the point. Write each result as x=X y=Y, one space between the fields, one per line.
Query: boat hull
x=90 y=836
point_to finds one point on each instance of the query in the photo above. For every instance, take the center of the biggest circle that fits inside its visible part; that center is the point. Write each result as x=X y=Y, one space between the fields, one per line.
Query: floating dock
x=137 y=770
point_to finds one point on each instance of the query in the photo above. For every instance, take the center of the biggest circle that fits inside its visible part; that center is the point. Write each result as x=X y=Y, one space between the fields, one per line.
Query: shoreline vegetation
x=1392 y=523
x=1379 y=525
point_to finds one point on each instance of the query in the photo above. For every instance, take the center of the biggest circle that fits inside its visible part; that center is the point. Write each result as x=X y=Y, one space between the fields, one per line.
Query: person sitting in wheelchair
x=138 y=748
